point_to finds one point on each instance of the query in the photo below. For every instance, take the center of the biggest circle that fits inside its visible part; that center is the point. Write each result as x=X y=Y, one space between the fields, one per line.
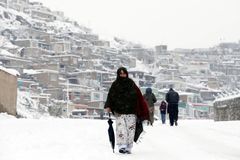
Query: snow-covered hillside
x=12 y=19
x=30 y=108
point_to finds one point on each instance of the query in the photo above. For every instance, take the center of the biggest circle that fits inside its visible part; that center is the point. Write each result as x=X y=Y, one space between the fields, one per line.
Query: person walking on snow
x=126 y=102
x=163 y=109
x=172 y=98
x=151 y=99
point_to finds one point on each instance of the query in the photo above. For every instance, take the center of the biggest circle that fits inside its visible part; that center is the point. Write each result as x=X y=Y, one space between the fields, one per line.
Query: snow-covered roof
x=46 y=71
x=80 y=110
x=15 y=59
x=185 y=93
x=6 y=53
x=78 y=86
x=32 y=72
x=92 y=70
x=63 y=55
x=227 y=98
x=6 y=43
x=62 y=79
x=135 y=70
x=211 y=90
x=29 y=71
x=10 y=71
x=140 y=67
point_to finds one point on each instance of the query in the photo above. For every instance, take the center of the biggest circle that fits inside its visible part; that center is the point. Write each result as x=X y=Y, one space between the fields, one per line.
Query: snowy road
x=59 y=139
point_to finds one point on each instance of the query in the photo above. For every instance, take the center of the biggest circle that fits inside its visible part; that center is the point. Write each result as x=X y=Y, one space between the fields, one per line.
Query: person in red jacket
x=126 y=102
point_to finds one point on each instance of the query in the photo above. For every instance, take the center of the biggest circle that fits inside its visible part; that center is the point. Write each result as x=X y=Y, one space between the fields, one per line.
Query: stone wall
x=227 y=109
x=8 y=93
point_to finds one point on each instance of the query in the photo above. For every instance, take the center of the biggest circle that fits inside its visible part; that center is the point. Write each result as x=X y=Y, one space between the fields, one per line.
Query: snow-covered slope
x=29 y=108
x=13 y=20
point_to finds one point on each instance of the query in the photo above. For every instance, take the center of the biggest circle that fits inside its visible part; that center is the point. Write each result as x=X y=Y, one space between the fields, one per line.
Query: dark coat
x=127 y=100
x=172 y=98
x=163 y=107
x=150 y=97
x=122 y=97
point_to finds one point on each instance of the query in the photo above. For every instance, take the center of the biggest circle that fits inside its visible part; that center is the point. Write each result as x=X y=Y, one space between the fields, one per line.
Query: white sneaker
x=129 y=148
x=122 y=146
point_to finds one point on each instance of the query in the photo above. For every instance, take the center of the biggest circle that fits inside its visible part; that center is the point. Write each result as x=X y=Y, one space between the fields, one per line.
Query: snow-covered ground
x=82 y=139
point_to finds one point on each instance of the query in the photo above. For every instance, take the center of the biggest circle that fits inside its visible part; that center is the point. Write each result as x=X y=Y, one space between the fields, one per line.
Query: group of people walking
x=128 y=105
x=169 y=105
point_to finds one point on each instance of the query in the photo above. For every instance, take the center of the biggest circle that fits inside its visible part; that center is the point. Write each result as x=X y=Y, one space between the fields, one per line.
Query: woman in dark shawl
x=126 y=102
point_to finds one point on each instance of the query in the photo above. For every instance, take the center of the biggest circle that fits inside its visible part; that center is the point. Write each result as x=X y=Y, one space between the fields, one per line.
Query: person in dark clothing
x=172 y=98
x=163 y=109
x=151 y=99
x=126 y=102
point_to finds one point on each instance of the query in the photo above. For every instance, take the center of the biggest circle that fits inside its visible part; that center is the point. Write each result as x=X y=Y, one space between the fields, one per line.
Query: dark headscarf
x=119 y=71
x=149 y=91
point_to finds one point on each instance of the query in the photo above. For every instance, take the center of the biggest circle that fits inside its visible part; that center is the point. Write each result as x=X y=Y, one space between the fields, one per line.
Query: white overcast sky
x=176 y=23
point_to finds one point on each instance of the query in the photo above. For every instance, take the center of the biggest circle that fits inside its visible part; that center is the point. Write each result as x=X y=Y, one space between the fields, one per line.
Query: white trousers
x=125 y=130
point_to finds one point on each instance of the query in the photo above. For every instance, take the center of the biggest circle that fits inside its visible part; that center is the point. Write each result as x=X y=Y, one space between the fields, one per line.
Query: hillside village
x=63 y=66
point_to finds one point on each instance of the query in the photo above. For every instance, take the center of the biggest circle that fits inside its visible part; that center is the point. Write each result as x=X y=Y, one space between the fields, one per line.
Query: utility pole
x=7 y=5
x=67 y=96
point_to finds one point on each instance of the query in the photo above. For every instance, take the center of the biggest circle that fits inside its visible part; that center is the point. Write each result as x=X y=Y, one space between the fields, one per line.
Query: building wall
x=18 y=5
x=26 y=43
x=34 y=52
x=61 y=47
x=48 y=79
x=35 y=34
x=8 y=93
x=58 y=47
x=69 y=61
x=43 y=15
x=85 y=64
x=161 y=49
x=53 y=66
x=18 y=63
x=101 y=43
x=3 y=3
x=227 y=110
x=20 y=1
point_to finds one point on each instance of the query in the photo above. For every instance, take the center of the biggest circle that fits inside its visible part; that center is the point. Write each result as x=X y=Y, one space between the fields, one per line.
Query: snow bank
x=6 y=116
x=10 y=71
